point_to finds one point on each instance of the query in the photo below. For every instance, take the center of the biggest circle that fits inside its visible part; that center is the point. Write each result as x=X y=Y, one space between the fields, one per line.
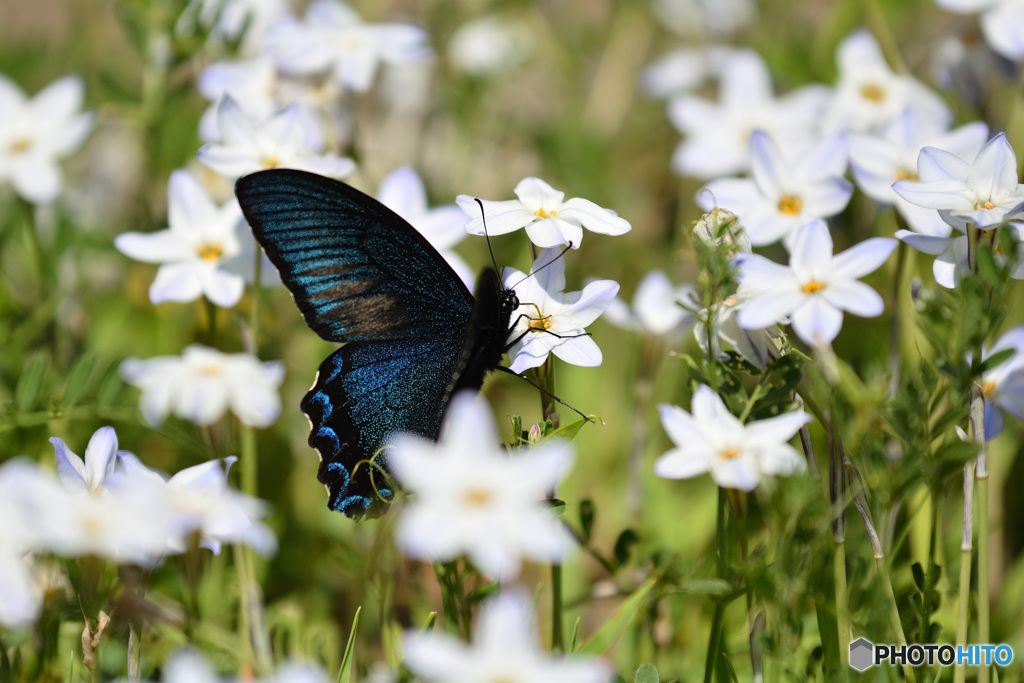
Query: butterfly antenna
x=534 y=272
x=544 y=391
x=487 y=236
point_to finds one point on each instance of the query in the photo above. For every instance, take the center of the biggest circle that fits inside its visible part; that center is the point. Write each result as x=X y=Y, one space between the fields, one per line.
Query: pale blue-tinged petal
x=502 y=216
x=994 y=172
x=945 y=194
x=951 y=264
x=734 y=194
x=936 y=165
x=709 y=411
x=593 y=217
x=965 y=141
x=222 y=288
x=231 y=162
x=552 y=232
x=330 y=165
x=57 y=102
x=70 y=468
x=875 y=163
x=580 y=350
x=764 y=311
x=189 y=208
x=403 y=192
x=548 y=272
x=776 y=430
x=739 y=473
x=745 y=81
x=817 y=322
x=863 y=258
x=762 y=275
x=100 y=457
x=825 y=159
x=923 y=221
x=680 y=463
x=680 y=426
x=926 y=244
x=993 y=422
x=236 y=130
x=1003 y=28
x=768 y=165
x=854 y=297
x=826 y=197
x=180 y=282
x=810 y=257
x=781 y=461
x=966 y=6
x=12 y=98
x=443 y=226
x=592 y=301
x=71 y=134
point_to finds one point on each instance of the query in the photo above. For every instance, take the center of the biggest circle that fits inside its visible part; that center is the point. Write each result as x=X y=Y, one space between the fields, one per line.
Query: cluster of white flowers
x=110 y=505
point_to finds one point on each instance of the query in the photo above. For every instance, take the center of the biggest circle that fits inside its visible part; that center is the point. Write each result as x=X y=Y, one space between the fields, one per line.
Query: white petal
x=817 y=322
x=855 y=297
x=863 y=258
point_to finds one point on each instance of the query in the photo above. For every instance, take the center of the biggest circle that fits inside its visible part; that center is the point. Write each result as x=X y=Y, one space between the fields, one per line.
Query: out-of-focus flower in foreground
x=203 y=383
x=655 y=308
x=711 y=439
x=549 y=221
x=550 y=321
x=1002 y=23
x=984 y=193
x=815 y=288
x=332 y=38
x=471 y=497
x=1003 y=385
x=88 y=476
x=36 y=133
x=787 y=190
x=504 y=648
x=191 y=666
x=202 y=250
x=290 y=138
x=403 y=192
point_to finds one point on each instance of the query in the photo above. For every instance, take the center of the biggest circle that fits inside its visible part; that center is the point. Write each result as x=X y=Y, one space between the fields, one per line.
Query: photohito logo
x=864 y=654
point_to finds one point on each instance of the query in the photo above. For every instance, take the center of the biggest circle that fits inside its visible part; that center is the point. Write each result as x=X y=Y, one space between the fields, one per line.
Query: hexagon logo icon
x=862 y=654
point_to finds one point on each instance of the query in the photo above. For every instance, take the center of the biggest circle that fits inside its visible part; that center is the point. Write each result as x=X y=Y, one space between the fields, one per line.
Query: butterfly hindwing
x=357 y=270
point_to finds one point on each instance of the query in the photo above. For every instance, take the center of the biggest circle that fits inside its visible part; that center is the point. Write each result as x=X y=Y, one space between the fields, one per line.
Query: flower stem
x=546 y=379
x=715 y=637
x=966 y=548
x=977 y=403
x=837 y=494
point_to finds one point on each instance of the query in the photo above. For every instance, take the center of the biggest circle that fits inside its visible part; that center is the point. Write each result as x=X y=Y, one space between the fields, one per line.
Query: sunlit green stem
x=966 y=548
x=837 y=494
x=546 y=379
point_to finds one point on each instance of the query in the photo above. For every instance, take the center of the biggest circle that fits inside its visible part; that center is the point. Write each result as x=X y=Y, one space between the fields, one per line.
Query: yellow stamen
x=729 y=454
x=988 y=388
x=903 y=174
x=209 y=369
x=540 y=323
x=987 y=205
x=790 y=204
x=476 y=498
x=872 y=92
x=812 y=287
x=269 y=162
x=210 y=251
x=541 y=213
x=20 y=146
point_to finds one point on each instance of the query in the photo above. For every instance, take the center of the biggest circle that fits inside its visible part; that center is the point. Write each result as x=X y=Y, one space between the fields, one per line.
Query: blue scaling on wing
x=357 y=270
x=365 y=392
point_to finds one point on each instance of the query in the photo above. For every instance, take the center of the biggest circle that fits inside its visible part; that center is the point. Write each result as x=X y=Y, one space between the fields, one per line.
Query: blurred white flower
x=472 y=497
x=252 y=85
x=227 y=19
x=88 y=476
x=788 y=188
x=332 y=38
x=21 y=595
x=984 y=193
x=549 y=221
x=188 y=665
x=36 y=133
x=737 y=455
x=655 y=309
x=1002 y=23
x=202 y=251
x=203 y=383
x=683 y=70
x=403 y=192
x=697 y=18
x=717 y=135
x=1003 y=385
x=504 y=648
x=815 y=288
x=201 y=497
x=489 y=44
x=869 y=94
x=287 y=139
x=550 y=321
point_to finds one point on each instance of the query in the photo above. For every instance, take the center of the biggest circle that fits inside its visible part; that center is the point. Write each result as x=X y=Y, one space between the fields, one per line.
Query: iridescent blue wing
x=357 y=270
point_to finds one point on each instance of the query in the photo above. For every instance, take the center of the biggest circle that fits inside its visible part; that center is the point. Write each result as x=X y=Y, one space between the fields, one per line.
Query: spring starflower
x=203 y=383
x=1002 y=23
x=984 y=193
x=549 y=320
x=711 y=439
x=89 y=475
x=504 y=648
x=472 y=498
x=655 y=308
x=549 y=221
x=36 y=133
x=815 y=288
x=788 y=188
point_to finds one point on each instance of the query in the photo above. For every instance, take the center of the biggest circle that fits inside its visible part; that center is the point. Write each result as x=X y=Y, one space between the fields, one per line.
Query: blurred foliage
x=649 y=581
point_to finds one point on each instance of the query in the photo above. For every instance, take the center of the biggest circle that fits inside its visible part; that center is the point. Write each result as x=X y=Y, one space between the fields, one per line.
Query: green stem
x=546 y=379
x=722 y=540
x=837 y=494
x=894 y=613
x=966 y=548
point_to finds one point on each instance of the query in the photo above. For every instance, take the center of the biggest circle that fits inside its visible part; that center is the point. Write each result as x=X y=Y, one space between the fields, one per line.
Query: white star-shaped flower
x=870 y=94
x=504 y=649
x=1002 y=23
x=815 y=288
x=471 y=497
x=203 y=383
x=655 y=308
x=788 y=189
x=717 y=135
x=550 y=321
x=333 y=38
x=88 y=476
x=206 y=251
x=549 y=221
x=403 y=192
x=984 y=193
x=289 y=138
x=36 y=133
x=737 y=455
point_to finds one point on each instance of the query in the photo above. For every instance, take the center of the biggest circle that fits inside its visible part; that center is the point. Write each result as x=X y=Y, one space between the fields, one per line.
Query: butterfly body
x=413 y=333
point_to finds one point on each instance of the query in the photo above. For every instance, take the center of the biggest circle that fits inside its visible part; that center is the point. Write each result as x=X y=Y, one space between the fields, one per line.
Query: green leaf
x=557 y=506
x=587 y=513
x=345 y=673
x=647 y=673
x=918 y=571
x=573 y=639
x=568 y=432
x=713 y=587
x=78 y=379
x=623 y=545
x=994 y=360
x=616 y=624
x=29 y=384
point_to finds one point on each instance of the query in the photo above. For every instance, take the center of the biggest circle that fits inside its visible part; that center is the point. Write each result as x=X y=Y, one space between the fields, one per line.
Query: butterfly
x=412 y=332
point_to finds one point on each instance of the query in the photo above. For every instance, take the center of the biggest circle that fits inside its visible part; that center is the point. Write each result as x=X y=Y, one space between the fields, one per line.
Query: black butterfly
x=413 y=333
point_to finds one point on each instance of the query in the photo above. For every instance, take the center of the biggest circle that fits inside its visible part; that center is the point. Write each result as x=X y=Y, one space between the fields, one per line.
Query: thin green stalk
x=36 y=246
x=134 y=653
x=715 y=637
x=977 y=399
x=837 y=494
x=964 y=594
x=546 y=379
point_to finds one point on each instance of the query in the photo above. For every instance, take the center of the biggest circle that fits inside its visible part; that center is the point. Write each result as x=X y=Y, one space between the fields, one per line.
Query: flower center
x=988 y=388
x=209 y=369
x=730 y=454
x=269 y=162
x=987 y=205
x=476 y=498
x=790 y=204
x=872 y=92
x=904 y=174
x=20 y=146
x=542 y=213
x=210 y=251
x=540 y=324
x=812 y=287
